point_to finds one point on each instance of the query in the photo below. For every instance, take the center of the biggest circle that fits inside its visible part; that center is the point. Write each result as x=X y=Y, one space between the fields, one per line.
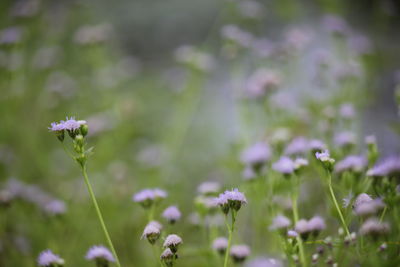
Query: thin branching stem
x=99 y=215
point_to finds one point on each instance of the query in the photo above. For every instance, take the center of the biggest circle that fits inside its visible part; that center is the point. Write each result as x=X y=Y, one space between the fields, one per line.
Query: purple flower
x=55 y=207
x=220 y=244
x=354 y=163
x=56 y=127
x=265 y=262
x=47 y=258
x=298 y=145
x=345 y=139
x=347 y=111
x=240 y=252
x=316 y=224
x=284 y=165
x=256 y=155
x=374 y=228
x=262 y=82
x=364 y=205
x=152 y=232
x=280 y=222
x=209 y=187
x=71 y=124
x=11 y=35
x=323 y=156
x=335 y=24
x=231 y=199
x=147 y=197
x=388 y=167
x=316 y=145
x=99 y=253
x=172 y=242
x=172 y=214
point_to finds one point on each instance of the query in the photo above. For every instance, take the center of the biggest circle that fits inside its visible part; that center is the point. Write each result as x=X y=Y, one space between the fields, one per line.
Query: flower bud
x=84 y=129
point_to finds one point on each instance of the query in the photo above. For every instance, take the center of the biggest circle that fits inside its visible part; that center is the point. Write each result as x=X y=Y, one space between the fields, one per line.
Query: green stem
x=296 y=218
x=383 y=214
x=103 y=226
x=336 y=204
x=230 y=230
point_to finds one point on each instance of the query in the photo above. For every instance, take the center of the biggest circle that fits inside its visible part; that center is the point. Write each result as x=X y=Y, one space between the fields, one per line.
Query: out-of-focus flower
x=11 y=35
x=388 y=167
x=48 y=259
x=236 y=35
x=55 y=207
x=239 y=253
x=280 y=222
x=316 y=145
x=148 y=197
x=92 y=34
x=360 y=44
x=284 y=165
x=297 y=39
x=100 y=254
x=372 y=227
x=262 y=82
x=316 y=224
x=347 y=111
x=264 y=262
x=335 y=24
x=249 y=174
x=25 y=8
x=172 y=214
x=292 y=234
x=199 y=60
x=220 y=244
x=353 y=163
x=302 y=228
x=256 y=155
x=345 y=139
x=364 y=205
x=299 y=145
x=209 y=188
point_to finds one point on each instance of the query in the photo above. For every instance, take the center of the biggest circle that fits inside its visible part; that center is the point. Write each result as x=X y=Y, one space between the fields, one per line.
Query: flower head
x=240 y=252
x=388 y=167
x=326 y=159
x=148 y=197
x=231 y=199
x=220 y=244
x=99 y=253
x=284 y=165
x=47 y=258
x=374 y=228
x=151 y=232
x=172 y=214
x=280 y=222
x=208 y=188
x=172 y=242
x=299 y=145
x=352 y=163
x=256 y=155
x=316 y=224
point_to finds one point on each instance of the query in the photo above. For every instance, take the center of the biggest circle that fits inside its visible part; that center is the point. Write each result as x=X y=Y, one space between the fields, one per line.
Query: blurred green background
x=154 y=122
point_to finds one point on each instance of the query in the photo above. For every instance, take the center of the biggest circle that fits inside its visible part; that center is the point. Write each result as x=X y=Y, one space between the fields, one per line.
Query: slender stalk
x=298 y=238
x=230 y=230
x=336 y=204
x=103 y=226
x=296 y=218
x=383 y=214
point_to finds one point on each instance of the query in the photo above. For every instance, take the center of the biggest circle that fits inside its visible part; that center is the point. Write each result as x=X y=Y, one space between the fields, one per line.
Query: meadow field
x=199 y=133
